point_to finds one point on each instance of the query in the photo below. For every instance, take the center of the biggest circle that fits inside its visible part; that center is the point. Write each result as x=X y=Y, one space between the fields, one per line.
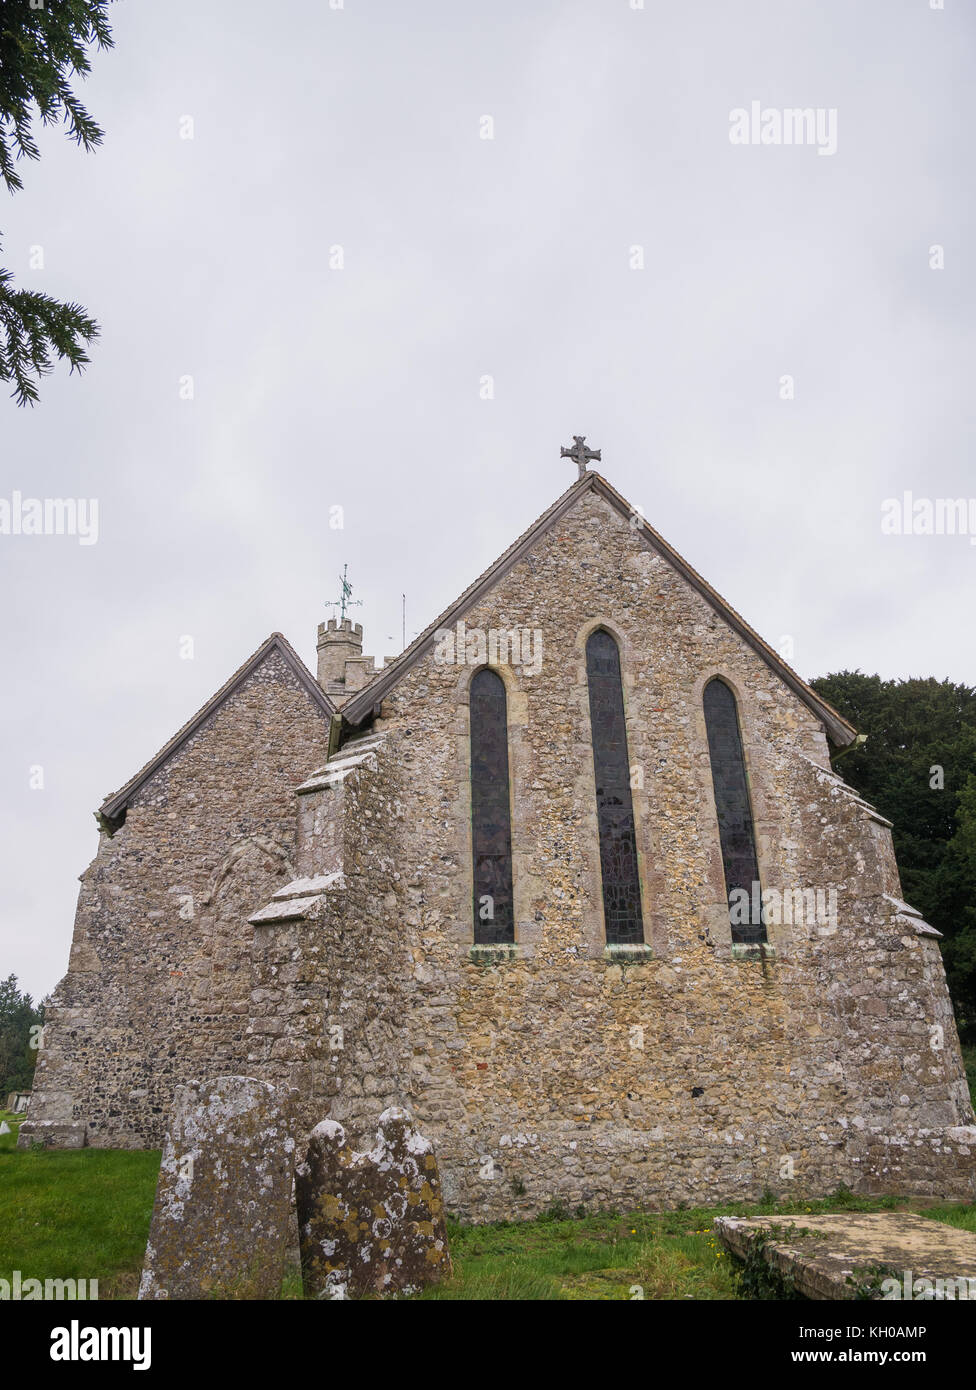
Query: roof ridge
x=727 y=608
x=369 y=698
x=115 y=803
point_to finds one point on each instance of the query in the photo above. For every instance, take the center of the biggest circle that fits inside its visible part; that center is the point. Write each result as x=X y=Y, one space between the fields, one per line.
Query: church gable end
x=684 y=1031
x=157 y=985
x=500 y=895
x=274 y=663
x=368 y=701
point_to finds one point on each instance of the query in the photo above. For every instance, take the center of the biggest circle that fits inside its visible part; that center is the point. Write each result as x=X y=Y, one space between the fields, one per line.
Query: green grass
x=969 y=1062
x=603 y=1257
x=84 y=1214
x=662 y=1255
x=9 y=1141
x=75 y=1213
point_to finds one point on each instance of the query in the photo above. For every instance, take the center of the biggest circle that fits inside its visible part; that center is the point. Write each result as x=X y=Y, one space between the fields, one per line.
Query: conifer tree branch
x=41 y=50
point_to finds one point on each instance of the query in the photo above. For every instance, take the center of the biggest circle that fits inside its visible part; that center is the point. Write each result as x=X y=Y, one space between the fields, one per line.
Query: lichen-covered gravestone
x=221 y=1217
x=370 y=1222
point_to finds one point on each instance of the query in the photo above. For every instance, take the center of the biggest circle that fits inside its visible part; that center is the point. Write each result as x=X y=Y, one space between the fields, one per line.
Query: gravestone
x=370 y=1223
x=4 y=1127
x=223 y=1201
x=891 y=1255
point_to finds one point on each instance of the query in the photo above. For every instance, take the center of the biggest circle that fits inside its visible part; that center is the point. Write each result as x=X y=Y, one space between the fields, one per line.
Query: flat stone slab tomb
x=831 y=1257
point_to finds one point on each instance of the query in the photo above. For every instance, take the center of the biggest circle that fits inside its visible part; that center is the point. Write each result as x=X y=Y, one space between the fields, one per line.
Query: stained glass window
x=614 y=805
x=734 y=814
x=491 y=821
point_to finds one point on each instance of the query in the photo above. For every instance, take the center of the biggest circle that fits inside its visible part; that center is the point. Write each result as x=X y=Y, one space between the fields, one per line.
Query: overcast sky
x=463 y=257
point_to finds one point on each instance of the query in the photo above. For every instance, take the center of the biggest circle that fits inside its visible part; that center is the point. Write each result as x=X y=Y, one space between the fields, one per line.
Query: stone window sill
x=493 y=953
x=620 y=954
x=749 y=951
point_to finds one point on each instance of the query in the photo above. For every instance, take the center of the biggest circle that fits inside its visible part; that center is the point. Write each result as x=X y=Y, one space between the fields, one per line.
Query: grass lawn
x=75 y=1213
x=84 y=1214
x=651 y=1255
x=969 y=1062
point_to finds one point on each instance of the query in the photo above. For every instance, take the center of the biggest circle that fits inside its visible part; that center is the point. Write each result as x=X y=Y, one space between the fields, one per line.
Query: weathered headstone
x=370 y=1222
x=883 y=1255
x=221 y=1217
x=4 y=1127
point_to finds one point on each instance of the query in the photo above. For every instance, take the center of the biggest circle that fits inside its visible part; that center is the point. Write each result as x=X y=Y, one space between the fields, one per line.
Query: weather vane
x=344 y=601
x=580 y=454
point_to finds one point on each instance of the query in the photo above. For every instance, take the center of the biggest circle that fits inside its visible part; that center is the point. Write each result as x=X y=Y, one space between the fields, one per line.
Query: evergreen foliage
x=18 y=1046
x=918 y=767
x=42 y=49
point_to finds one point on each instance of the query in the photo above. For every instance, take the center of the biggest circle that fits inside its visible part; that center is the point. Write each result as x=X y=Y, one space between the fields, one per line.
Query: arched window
x=614 y=806
x=734 y=814
x=491 y=819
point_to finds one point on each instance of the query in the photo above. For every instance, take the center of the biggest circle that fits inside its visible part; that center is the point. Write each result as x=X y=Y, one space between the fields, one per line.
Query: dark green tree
x=18 y=1045
x=43 y=47
x=918 y=767
x=955 y=882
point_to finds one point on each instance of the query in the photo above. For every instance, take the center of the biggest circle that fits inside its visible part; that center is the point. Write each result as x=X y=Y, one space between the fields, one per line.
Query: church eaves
x=109 y=813
x=368 y=700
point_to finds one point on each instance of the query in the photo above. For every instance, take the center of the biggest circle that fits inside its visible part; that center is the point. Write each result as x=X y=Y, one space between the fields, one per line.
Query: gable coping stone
x=368 y=700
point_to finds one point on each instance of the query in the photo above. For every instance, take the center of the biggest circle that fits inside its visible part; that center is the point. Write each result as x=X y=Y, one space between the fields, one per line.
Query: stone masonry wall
x=159 y=979
x=560 y=1073
x=558 y=1070
x=329 y=997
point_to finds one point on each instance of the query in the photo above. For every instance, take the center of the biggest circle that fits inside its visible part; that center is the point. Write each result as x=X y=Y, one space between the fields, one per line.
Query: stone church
x=571 y=880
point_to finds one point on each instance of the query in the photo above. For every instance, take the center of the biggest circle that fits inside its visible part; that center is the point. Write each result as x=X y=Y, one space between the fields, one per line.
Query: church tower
x=342 y=668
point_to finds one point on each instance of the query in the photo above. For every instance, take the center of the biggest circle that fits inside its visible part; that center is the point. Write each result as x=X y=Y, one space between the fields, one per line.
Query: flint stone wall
x=327 y=1007
x=560 y=1072
x=556 y=1070
x=159 y=978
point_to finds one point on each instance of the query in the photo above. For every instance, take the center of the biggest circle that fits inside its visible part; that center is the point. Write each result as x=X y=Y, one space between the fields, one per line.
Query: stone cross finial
x=580 y=453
